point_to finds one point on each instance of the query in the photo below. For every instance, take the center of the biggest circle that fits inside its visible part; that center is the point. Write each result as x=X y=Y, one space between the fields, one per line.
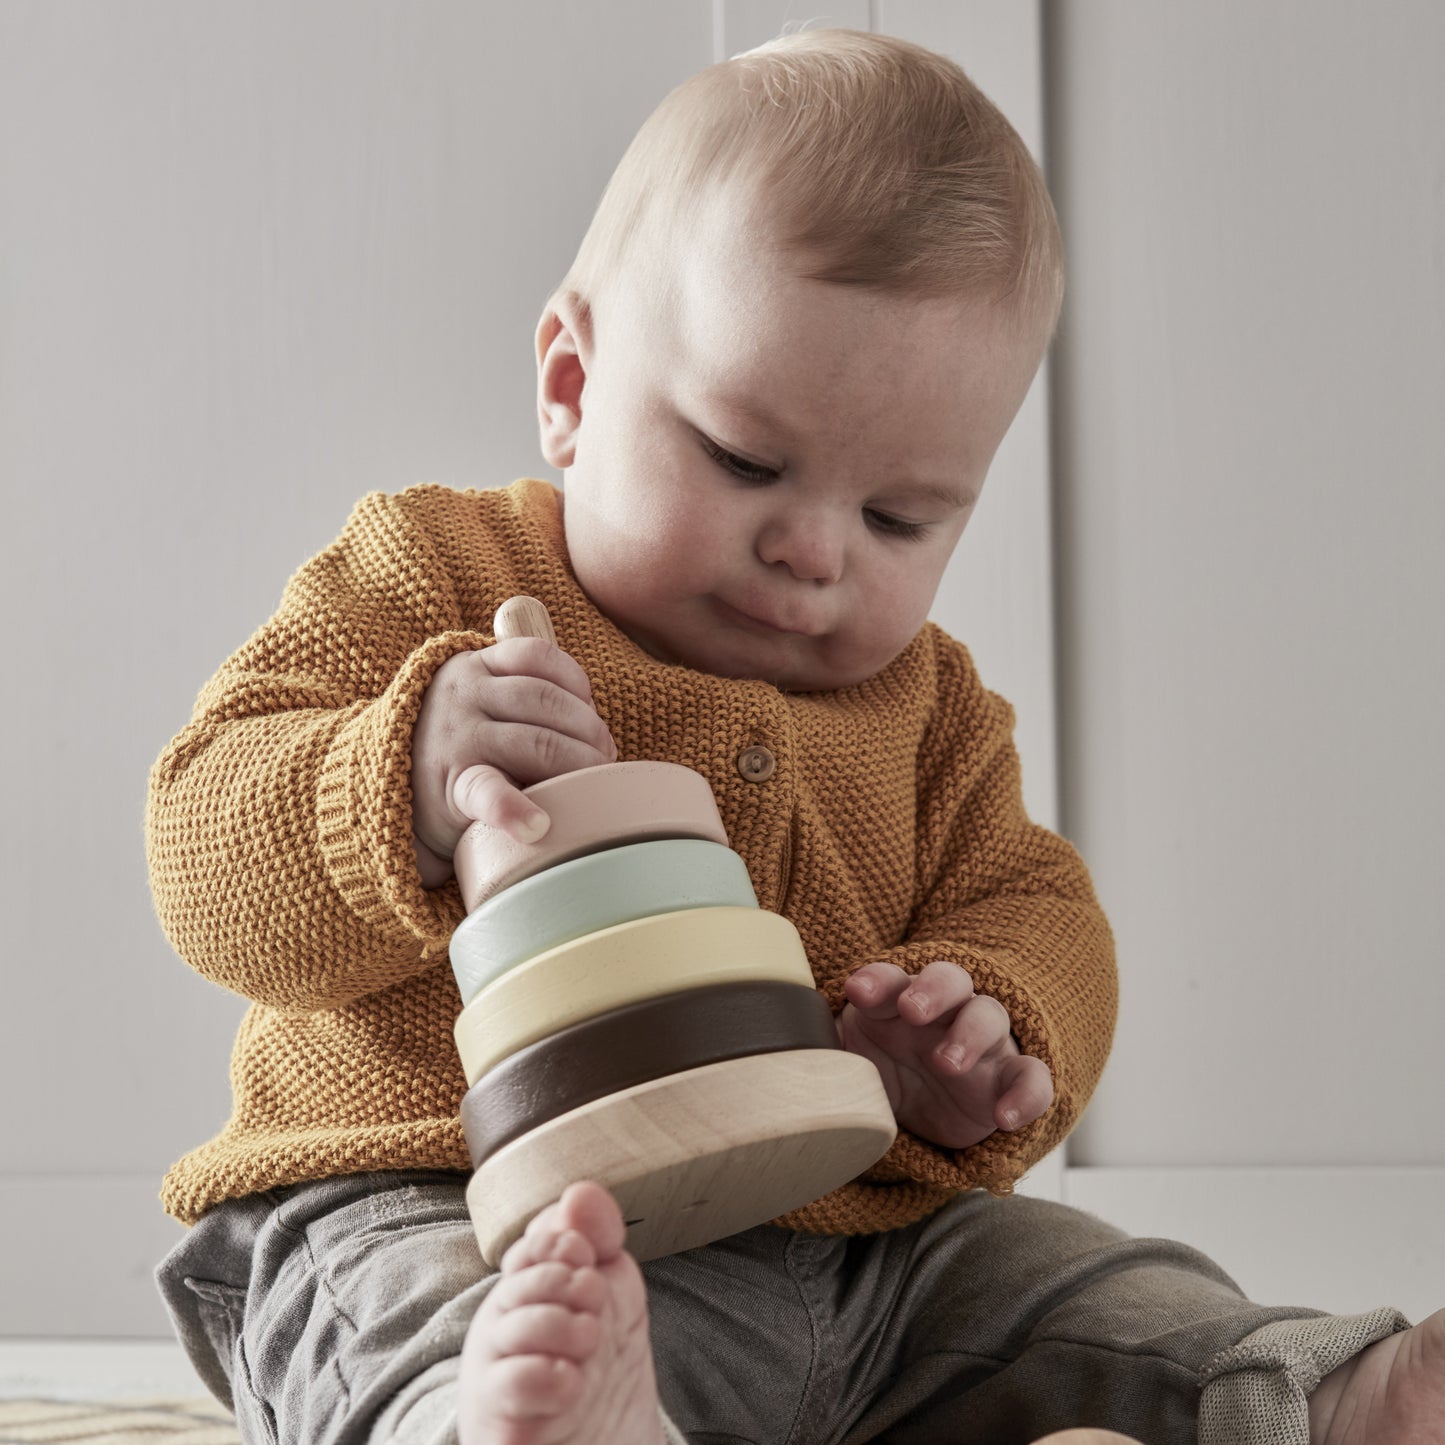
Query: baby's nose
x=808 y=544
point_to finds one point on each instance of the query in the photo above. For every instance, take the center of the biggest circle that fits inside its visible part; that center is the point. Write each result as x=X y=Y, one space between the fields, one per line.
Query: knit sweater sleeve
x=1013 y=904
x=279 y=832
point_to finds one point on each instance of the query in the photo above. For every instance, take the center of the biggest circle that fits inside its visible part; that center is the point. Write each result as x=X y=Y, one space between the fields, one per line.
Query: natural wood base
x=694 y=1157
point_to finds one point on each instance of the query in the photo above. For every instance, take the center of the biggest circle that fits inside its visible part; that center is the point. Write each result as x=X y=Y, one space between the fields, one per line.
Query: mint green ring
x=590 y=893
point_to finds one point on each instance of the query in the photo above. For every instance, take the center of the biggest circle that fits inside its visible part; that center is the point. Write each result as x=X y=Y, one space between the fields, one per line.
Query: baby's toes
x=531 y=1387
x=543 y=1329
x=549 y=1237
x=550 y=1282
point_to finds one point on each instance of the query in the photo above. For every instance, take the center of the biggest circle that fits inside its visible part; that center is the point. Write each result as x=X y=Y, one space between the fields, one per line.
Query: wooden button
x=757 y=764
x=698 y=1155
x=634 y=1044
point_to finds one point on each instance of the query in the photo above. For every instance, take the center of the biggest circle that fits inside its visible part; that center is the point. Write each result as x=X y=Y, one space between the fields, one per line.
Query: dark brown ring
x=635 y=1044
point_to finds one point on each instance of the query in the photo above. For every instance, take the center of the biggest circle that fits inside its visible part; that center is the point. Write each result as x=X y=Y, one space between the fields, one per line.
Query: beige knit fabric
x=1257 y=1393
x=279 y=839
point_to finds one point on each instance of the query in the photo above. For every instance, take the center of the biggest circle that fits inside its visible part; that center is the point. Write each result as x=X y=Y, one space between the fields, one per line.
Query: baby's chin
x=785 y=674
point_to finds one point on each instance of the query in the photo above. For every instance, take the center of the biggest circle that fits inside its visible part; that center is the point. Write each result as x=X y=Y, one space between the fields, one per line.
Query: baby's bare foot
x=559 y=1352
x=1087 y=1437
x=1392 y=1393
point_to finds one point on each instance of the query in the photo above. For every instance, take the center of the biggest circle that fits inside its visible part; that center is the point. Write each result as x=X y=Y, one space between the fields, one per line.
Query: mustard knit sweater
x=280 y=844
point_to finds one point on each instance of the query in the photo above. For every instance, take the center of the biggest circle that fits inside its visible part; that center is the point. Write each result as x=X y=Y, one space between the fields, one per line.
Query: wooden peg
x=523 y=617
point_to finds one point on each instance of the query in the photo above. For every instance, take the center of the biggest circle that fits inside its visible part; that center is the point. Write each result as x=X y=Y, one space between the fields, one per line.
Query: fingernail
x=533 y=826
x=954 y=1054
x=1010 y=1119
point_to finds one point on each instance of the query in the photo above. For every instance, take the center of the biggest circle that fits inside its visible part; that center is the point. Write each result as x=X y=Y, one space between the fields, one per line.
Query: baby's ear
x=564 y=352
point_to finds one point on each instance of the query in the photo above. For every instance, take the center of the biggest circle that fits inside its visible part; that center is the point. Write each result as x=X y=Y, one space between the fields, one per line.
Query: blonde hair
x=868 y=160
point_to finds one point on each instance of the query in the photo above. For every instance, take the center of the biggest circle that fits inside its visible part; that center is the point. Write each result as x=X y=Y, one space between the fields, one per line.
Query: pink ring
x=591 y=809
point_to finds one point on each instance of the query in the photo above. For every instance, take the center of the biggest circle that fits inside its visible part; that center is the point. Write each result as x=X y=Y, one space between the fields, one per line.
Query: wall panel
x=1249 y=437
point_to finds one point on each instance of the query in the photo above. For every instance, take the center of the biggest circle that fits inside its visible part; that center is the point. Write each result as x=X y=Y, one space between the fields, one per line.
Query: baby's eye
x=738 y=466
x=894 y=526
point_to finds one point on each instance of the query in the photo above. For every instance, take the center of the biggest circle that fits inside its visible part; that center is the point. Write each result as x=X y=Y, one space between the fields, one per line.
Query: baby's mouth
x=766 y=624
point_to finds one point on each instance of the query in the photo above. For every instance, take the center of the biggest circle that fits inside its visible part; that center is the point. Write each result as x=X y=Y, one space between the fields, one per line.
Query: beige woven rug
x=198 y=1421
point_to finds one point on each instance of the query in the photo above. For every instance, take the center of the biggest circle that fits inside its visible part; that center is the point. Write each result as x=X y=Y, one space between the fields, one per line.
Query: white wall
x=255 y=260
x=1251 y=426
x=258 y=259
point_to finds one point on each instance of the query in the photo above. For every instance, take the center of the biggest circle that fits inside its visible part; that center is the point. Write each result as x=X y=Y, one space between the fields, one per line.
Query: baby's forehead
x=725 y=307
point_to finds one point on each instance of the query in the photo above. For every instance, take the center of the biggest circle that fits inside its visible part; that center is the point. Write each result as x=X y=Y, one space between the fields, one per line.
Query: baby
x=809 y=307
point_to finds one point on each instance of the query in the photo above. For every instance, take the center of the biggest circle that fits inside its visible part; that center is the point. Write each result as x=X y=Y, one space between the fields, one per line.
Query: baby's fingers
x=982 y=1026
x=1026 y=1089
x=885 y=991
x=531 y=657
x=487 y=795
x=875 y=988
x=939 y=989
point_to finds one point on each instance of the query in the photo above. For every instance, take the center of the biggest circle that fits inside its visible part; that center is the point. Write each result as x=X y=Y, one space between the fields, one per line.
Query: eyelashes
x=894 y=526
x=738 y=466
x=744 y=470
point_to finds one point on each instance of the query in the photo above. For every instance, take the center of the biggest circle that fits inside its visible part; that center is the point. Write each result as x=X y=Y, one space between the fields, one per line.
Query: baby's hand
x=949 y=1063
x=492 y=722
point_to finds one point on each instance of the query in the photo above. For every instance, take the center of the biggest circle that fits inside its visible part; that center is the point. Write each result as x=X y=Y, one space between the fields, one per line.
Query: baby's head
x=810 y=303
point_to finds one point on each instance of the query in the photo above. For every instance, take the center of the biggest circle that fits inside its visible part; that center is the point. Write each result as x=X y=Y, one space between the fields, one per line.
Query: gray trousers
x=334 y=1313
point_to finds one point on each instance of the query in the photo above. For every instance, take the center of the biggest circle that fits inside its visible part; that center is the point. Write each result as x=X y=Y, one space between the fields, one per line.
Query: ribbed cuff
x=1257 y=1392
x=363 y=805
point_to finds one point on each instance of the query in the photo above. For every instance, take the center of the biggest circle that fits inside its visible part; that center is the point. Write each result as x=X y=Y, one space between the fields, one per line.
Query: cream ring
x=590 y=893
x=591 y=809
x=643 y=959
x=699 y=1155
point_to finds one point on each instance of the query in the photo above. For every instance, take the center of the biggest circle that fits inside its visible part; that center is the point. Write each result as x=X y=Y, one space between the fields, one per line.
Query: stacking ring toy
x=630 y=1015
